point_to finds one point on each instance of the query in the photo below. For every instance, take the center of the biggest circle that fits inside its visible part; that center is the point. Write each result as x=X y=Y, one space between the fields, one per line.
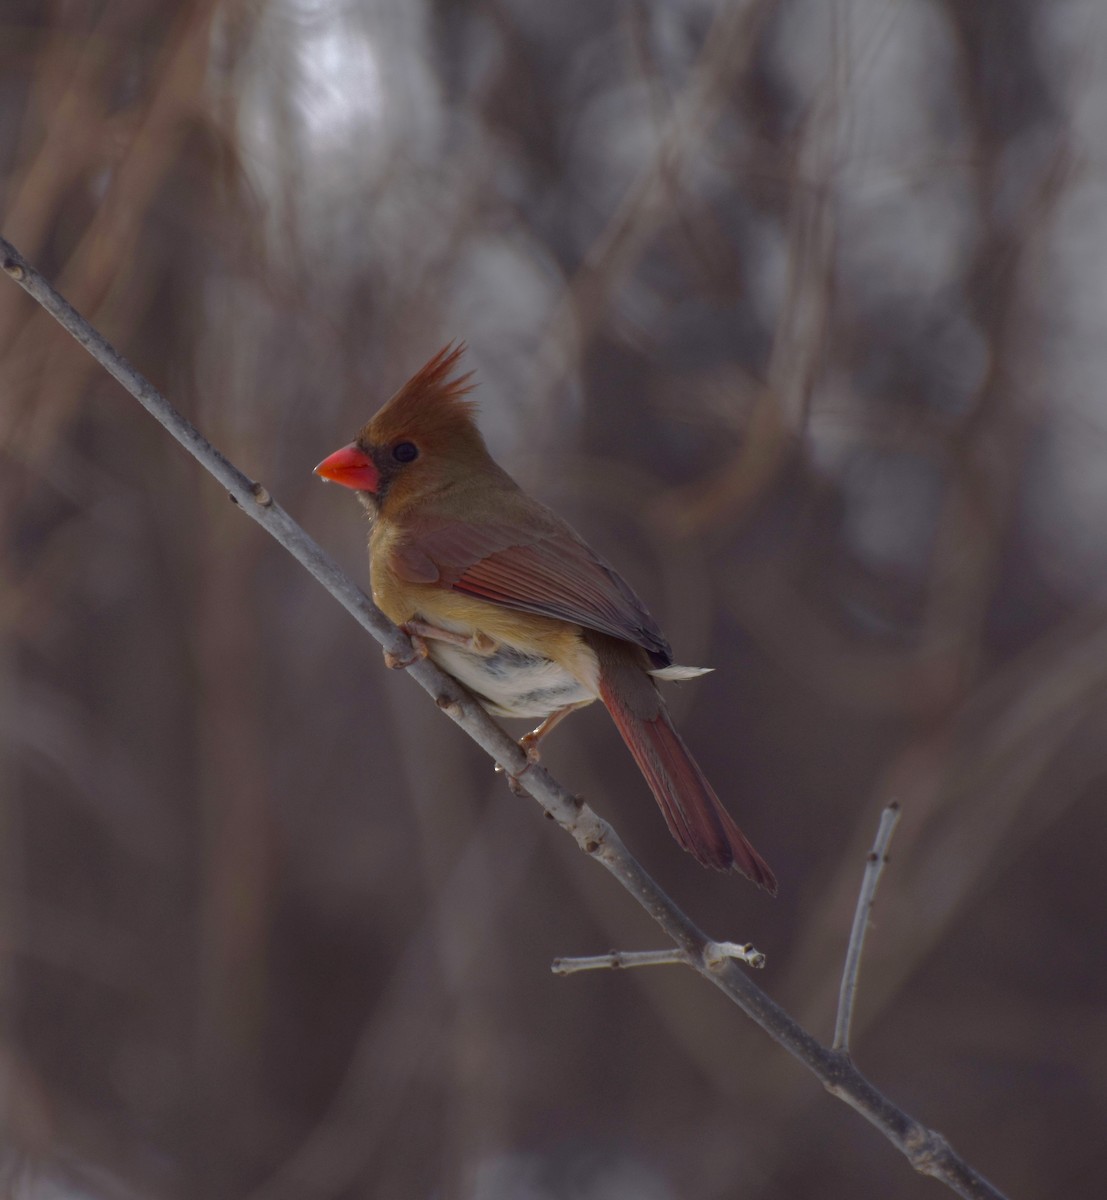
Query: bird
x=506 y=597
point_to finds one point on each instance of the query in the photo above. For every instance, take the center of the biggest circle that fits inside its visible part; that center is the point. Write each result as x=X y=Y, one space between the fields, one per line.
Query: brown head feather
x=432 y=413
x=431 y=404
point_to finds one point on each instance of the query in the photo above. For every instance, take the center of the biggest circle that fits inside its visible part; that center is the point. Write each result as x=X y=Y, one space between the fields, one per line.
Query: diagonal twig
x=926 y=1150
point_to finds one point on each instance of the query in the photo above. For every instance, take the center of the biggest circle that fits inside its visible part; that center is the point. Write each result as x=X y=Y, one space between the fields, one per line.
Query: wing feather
x=551 y=572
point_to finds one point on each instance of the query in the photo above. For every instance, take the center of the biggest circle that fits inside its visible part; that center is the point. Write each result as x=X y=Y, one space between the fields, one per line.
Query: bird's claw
x=528 y=743
x=513 y=781
x=400 y=662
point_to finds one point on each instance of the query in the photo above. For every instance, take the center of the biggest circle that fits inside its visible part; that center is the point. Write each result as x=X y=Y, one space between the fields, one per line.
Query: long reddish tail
x=694 y=814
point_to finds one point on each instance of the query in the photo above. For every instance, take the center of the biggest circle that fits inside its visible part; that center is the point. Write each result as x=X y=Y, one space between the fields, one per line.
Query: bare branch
x=616 y=960
x=874 y=865
x=927 y=1151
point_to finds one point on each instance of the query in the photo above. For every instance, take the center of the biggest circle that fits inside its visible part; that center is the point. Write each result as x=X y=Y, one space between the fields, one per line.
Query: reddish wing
x=552 y=573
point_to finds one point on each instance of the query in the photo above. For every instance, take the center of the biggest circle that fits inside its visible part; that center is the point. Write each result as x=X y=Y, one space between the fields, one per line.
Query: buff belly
x=510 y=682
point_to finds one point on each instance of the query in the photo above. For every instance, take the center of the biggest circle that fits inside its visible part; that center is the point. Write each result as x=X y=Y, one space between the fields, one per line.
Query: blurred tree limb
x=926 y=1149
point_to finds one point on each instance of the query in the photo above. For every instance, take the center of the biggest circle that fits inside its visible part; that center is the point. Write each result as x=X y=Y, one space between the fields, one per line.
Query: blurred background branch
x=837 y=413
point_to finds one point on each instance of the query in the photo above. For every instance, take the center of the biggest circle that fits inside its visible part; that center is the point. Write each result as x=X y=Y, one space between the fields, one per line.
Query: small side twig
x=847 y=993
x=616 y=960
x=714 y=954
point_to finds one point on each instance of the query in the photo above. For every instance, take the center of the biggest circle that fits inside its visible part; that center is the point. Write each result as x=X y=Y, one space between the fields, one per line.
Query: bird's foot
x=528 y=743
x=400 y=662
x=514 y=780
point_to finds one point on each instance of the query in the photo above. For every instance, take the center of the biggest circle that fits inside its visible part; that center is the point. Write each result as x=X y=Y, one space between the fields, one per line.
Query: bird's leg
x=479 y=643
x=421 y=632
x=529 y=741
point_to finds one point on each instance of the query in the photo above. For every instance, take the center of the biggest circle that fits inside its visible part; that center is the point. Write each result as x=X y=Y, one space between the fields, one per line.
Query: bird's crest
x=433 y=401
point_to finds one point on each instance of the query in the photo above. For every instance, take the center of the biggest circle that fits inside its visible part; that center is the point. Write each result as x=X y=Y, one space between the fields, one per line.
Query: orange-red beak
x=352 y=468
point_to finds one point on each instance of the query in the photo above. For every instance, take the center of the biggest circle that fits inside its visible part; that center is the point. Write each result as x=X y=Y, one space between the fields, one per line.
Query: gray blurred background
x=796 y=310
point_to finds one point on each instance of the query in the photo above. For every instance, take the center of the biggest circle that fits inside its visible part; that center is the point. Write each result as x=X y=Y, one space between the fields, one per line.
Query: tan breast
x=537 y=664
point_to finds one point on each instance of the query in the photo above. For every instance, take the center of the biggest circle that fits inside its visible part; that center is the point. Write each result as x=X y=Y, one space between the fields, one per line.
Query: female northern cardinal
x=505 y=597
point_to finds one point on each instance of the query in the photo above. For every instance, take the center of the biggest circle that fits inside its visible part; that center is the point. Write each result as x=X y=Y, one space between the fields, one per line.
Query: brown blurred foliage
x=795 y=309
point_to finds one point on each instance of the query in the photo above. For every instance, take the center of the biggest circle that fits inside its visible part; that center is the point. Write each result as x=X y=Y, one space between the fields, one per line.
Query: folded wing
x=551 y=572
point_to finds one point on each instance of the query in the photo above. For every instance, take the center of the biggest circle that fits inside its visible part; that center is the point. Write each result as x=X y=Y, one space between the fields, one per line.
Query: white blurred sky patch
x=345 y=90
x=341 y=86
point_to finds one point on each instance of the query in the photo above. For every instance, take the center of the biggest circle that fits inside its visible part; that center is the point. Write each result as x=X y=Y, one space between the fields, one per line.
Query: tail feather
x=694 y=814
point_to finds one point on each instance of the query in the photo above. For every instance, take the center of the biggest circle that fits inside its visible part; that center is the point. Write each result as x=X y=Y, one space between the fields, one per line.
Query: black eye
x=405 y=452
